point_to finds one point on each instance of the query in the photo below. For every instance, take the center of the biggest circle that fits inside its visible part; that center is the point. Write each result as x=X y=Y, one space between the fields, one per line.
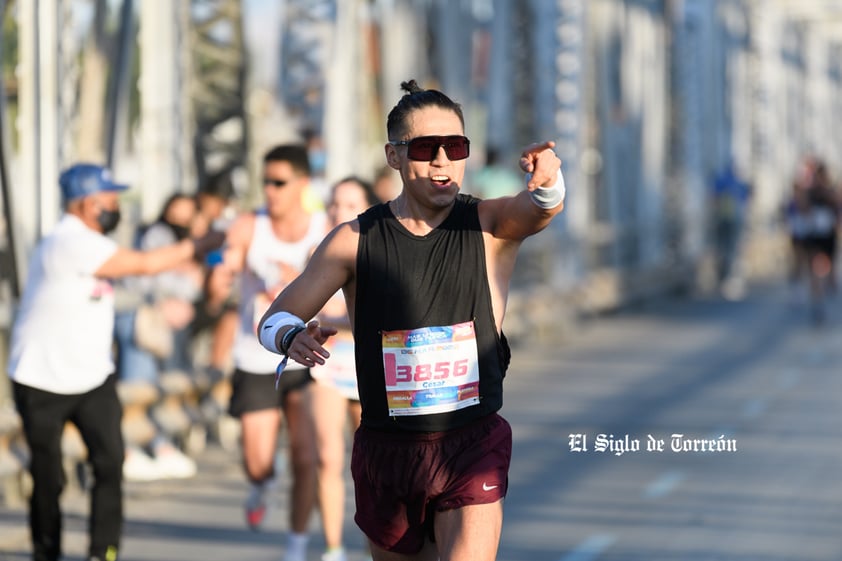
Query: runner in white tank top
x=268 y=249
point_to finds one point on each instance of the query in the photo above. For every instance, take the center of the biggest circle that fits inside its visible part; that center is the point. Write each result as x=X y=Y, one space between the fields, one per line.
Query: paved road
x=753 y=376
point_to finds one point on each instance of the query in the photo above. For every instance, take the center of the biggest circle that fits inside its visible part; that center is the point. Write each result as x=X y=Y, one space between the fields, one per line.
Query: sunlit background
x=650 y=103
x=647 y=100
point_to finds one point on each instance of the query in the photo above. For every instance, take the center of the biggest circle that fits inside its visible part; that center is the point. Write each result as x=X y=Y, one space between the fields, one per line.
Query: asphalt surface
x=753 y=379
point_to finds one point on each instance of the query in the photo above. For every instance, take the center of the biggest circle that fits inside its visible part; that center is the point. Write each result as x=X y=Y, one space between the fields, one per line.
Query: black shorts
x=822 y=244
x=402 y=479
x=255 y=392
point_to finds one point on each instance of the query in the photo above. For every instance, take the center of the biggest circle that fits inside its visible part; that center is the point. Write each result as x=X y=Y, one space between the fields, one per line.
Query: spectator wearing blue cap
x=60 y=362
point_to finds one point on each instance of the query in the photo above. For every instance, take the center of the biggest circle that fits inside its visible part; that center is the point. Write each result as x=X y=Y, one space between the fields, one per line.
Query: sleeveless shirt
x=407 y=282
x=262 y=271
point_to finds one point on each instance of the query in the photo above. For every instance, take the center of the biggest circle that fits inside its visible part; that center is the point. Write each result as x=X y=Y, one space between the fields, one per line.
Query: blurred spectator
x=214 y=200
x=215 y=324
x=386 y=184
x=730 y=198
x=154 y=350
x=335 y=396
x=176 y=291
x=61 y=362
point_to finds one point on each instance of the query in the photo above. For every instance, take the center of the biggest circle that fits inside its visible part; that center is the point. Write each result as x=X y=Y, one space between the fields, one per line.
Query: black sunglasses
x=425 y=148
x=278 y=183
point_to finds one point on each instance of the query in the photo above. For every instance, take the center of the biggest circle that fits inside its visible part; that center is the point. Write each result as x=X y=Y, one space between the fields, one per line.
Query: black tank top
x=406 y=282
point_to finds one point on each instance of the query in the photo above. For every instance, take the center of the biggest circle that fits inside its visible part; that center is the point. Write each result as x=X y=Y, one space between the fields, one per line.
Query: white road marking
x=591 y=548
x=663 y=485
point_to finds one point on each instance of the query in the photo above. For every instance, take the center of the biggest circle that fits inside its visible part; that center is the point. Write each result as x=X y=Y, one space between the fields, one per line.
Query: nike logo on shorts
x=487 y=487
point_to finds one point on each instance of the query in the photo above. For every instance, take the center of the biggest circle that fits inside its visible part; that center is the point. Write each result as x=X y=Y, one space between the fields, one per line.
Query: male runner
x=269 y=248
x=426 y=279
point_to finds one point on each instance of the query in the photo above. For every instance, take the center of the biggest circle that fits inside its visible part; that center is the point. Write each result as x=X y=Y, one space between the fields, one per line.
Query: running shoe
x=256 y=504
x=296 y=549
x=109 y=555
x=173 y=463
x=295 y=556
x=337 y=554
x=255 y=514
x=138 y=466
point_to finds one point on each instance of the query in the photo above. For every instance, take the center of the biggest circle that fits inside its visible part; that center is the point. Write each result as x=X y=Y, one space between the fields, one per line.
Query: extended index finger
x=537 y=148
x=531 y=154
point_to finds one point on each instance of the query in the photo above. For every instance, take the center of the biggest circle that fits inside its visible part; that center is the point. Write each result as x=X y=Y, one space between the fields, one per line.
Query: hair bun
x=411 y=87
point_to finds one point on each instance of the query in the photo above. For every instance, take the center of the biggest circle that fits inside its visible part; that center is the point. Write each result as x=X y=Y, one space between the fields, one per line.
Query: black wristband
x=286 y=340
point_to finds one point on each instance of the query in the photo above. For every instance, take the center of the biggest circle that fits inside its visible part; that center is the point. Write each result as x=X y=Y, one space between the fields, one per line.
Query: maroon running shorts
x=402 y=479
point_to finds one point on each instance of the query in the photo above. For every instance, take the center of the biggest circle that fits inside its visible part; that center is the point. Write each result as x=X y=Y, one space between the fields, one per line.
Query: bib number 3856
x=431 y=369
x=423 y=372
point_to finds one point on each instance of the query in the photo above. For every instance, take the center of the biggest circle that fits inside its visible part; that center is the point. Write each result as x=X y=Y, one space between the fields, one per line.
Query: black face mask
x=180 y=232
x=108 y=220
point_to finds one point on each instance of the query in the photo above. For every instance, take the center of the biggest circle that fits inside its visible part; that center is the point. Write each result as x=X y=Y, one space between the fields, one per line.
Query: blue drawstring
x=279 y=371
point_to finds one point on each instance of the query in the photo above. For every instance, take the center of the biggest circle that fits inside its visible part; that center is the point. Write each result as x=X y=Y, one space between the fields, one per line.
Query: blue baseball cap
x=81 y=180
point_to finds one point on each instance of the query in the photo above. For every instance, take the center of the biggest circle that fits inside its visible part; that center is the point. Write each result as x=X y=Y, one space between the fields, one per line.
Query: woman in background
x=334 y=395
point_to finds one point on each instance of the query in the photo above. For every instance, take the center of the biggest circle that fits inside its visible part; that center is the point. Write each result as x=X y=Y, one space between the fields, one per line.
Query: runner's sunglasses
x=277 y=183
x=425 y=148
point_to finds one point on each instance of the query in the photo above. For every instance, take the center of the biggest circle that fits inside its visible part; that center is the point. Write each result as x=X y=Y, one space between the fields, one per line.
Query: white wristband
x=548 y=197
x=269 y=329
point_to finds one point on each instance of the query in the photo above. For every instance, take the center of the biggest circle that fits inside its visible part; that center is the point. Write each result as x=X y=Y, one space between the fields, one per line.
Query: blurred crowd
x=172 y=389
x=175 y=332
x=188 y=368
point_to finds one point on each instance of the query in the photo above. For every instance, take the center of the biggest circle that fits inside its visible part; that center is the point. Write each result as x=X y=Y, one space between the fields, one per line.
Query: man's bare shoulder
x=492 y=211
x=242 y=227
x=244 y=218
x=344 y=238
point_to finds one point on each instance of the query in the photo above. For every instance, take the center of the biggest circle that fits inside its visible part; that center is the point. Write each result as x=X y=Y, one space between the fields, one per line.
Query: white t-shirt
x=61 y=339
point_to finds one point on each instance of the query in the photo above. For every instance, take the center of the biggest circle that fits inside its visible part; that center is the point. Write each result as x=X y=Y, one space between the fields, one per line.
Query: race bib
x=340 y=369
x=431 y=369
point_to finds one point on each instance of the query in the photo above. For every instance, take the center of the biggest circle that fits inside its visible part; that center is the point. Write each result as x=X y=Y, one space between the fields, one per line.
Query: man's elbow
x=546 y=215
x=544 y=218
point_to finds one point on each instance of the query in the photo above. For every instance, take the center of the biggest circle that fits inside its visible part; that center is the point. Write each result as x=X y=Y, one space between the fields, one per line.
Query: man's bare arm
x=129 y=262
x=329 y=269
x=518 y=217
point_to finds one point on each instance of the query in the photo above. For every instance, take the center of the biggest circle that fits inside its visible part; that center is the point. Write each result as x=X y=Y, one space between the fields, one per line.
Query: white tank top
x=262 y=272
